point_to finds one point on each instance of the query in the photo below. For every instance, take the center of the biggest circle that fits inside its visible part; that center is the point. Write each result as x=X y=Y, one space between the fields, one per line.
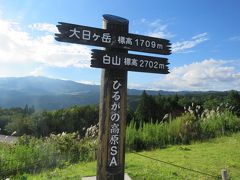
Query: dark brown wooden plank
x=73 y=33
x=128 y=62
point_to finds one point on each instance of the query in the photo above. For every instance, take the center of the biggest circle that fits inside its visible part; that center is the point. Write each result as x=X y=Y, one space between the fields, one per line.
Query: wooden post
x=224 y=174
x=112 y=115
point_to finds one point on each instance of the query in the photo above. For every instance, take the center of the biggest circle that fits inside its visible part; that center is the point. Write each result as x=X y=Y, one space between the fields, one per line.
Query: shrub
x=152 y=135
x=31 y=154
x=181 y=130
x=217 y=124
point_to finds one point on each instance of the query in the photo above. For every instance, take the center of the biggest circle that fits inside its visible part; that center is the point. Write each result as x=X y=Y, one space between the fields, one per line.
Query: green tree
x=22 y=125
x=146 y=109
x=233 y=99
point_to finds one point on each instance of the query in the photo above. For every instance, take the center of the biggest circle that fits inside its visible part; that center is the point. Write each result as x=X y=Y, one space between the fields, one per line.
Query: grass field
x=208 y=157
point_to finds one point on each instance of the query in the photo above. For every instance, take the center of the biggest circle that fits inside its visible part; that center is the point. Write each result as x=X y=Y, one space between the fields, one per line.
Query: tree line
x=40 y=124
x=156 y=108
x=148 y=108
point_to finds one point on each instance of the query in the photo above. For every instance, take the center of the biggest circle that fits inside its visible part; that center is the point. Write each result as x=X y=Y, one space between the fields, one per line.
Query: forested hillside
x=145 y=108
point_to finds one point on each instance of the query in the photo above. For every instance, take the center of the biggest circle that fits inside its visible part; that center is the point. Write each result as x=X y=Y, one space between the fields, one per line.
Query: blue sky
x=205 y=37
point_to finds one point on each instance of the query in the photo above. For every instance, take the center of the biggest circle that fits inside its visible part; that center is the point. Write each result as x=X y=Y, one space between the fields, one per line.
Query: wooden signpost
x=116 y=62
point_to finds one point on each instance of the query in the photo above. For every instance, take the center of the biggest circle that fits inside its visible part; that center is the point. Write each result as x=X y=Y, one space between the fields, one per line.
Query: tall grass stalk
x=181 y=130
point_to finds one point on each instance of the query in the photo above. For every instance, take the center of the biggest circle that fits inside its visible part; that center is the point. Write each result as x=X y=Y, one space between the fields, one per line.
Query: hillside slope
x=45 y=93
x=207 y=157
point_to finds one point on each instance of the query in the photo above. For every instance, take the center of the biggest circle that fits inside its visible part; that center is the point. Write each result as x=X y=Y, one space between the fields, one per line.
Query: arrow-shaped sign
x=129 y=62
x=79 y=34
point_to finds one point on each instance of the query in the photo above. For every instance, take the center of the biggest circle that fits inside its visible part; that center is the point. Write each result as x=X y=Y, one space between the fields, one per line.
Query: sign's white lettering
x=96 y=37
x=116 y=61
x=114 y=132
x=115 y=128
x=130 y=61
x=114 y=150
x=75 y=33
x=148 y=44
x=106 y=59
x=121 y=40
x=116 y=96
x=115 y=117
x=115 y=106
x=113 y=161
x=86 y=35
x=79 y=34
x=127 y=61
x=129 y=41
x=116 y=85
x=151 y=64
x=114 y=139
x=106 y=38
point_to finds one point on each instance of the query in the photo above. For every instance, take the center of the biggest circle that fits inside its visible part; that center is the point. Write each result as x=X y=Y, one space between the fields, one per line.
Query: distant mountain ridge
x=43 y=85
x=47 y=93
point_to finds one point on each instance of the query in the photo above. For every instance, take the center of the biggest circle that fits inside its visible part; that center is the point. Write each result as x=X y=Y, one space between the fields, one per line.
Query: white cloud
x=44 y=27
x=89 y=82
x=160 y=34
x=143 y=20
x=138 y=86
x=37 y=72
x=202 y=36
x=157 y=28
x=181 y=46
x=209 y=74
x=234 y=38
x=19 y=48
x=157 y=24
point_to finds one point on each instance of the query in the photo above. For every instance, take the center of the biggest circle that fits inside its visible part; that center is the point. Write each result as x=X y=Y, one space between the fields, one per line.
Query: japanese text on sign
x=133 y=41
x=141 y=63
x=107 y=38
x=88 y=35
x=100 y=37
x=129 y=62
x=114 y=125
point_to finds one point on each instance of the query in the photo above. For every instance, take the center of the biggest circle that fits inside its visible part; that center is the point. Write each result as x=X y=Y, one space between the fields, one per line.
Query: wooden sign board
x=116 y=62
x=79 y=34
x=128 y=62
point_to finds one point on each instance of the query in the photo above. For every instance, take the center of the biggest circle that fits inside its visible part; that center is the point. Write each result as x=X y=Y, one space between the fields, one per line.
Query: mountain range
x=47 y=93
